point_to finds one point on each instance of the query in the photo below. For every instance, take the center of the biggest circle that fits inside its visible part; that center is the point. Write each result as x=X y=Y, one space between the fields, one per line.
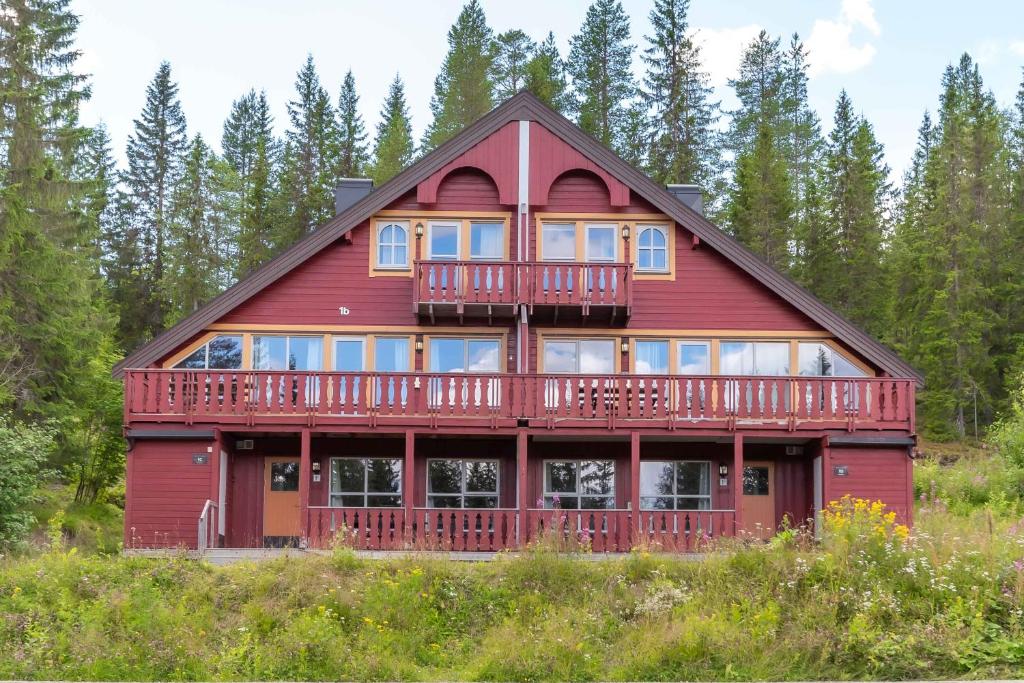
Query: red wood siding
x=873 y=473
x=550 y=157
x=166 y=493
x=496 y=155
x=244 y=514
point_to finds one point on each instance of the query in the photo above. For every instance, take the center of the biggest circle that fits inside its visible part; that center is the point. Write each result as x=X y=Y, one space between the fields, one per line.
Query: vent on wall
x=243 y=445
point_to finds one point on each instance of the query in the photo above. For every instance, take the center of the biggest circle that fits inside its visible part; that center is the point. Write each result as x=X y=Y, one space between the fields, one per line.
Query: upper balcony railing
x=502 y=399
x=496 y=287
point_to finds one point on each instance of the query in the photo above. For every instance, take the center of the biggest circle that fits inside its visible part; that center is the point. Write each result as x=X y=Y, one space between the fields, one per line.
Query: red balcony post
x=737 y=479
x=305 y=477
x=523 y=494
x=634 y=475
x=409 y=475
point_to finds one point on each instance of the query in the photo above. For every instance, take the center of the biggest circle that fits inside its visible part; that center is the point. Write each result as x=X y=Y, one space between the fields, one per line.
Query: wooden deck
x=369 y=400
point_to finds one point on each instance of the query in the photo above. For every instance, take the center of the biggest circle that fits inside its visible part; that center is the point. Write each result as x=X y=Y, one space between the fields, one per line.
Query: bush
x=23 y=452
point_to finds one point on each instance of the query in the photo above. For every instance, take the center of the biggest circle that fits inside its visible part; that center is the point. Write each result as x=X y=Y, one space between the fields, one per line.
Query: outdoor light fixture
x=723 y=470
x=625 y=346
x=419 y=230
x=625 y=231
x=419 y=344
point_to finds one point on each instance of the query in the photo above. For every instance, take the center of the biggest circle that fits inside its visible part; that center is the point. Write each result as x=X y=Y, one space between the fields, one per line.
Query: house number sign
x=343 y=310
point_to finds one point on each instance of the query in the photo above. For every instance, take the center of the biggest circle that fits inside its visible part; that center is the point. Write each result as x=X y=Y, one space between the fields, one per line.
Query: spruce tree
x=155 y=151
x=309 y=160
x=684 y=145
x=248 y=125
x=352 y=153
x=800 y=130
x=759 y=87
x=463 y=91
x=545 y=75
x=600 y=63
x=393 y=147
x=514 y=52
x=256 y=214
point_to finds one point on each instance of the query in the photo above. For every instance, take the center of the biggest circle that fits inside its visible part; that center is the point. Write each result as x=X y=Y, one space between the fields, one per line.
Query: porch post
x=305 y=477
x=409 y=479
x=737 y=479
x=634 y=476
x=215 y=485
x=826 y=470
x=523 y=495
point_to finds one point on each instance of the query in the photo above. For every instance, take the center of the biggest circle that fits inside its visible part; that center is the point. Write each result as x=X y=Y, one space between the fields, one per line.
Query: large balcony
x=501 y=400
x=445 y=289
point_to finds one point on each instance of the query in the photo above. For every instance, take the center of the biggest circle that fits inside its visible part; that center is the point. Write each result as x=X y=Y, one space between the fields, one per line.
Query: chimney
x=689 y=195
x=349 y=191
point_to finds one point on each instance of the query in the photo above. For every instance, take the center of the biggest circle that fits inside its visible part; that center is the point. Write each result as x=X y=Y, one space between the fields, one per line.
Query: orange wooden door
x=281 y=497
x=759 y=499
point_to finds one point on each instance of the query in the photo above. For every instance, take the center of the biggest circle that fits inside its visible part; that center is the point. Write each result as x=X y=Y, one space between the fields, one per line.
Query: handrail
x=206 y=524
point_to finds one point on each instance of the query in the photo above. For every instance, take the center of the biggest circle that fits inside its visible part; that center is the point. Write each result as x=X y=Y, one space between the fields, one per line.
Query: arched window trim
x=652 y=248
x=399 y=239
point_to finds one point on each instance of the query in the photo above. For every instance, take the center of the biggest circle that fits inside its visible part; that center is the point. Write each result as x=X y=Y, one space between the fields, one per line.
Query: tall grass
x=865 y=602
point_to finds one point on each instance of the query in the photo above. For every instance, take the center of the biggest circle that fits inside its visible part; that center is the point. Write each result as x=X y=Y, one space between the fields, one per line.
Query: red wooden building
x=520 y=321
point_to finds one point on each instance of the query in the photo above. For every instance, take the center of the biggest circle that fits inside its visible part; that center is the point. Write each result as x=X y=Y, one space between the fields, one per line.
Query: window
x=393 y=245
x=486 y=241
x=652 y=249
x=443 y=242
x=580 y=356
x=284 y=476
x=579 y=484
x=287 y=353
x=821 y=360
x=220 y=353
x=754 y=358
x=366 y=482
x=391 y=354
x=601 y=242
x=558 y=241
x=349 y=354
x=694 y=358
x=462 y=483
x=465 y=355
x=682 y=485
x=652 y=357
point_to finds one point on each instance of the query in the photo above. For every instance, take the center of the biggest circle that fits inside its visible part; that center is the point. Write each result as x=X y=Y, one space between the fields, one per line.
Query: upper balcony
x=552 y=290
x=503 y=400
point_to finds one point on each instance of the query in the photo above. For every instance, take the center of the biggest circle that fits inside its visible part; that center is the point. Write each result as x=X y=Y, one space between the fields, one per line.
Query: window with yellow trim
x=652 y=249
x=223 y=352
x=393 y=245
x=818 y=359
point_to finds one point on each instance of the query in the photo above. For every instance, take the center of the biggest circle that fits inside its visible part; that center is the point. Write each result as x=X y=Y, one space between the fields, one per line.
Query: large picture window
x=681 y=485
x=393 y=244
x=462 y=483
x=223 y=352
x=821 y=360
x=579 y=356
x=287 y=353
x=450 y=354
x=579 y=484
x=366 y=482
x=754 y=358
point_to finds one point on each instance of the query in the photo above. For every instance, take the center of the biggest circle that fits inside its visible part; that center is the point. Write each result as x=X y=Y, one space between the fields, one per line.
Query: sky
x=888 y=54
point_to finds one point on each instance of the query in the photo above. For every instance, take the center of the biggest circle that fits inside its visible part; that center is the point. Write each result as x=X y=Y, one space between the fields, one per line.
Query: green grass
x=96 y=527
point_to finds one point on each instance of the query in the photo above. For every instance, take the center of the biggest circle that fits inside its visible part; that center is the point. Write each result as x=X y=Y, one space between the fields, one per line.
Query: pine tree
x=684 y=145
x=248 y=125
x=800 y=132
x=352 y=153
x=393 y=146
x=1012 y=290
x=51 y=318
x=514 y=52
x=817 y=261
x=761 y=205
x=309 y=160
x=857 y=191
x=256 y=215
x=463 y=91
x=600 y=63
x=154 y=154
x=545 y=75
x=759 y=89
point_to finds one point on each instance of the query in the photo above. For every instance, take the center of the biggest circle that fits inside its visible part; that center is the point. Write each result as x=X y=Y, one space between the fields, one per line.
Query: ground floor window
x=462 y=483
x=579 y=484
x=679 y=485
x=366 y=482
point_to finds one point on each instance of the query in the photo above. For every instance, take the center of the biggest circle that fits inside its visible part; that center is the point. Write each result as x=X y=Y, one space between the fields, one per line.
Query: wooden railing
x=596 y=400
x=543 y=283
x=491 y=530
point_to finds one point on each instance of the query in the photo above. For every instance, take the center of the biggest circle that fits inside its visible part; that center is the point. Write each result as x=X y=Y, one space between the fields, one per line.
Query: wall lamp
x=419 y=343
x=419 y=230
x=624 y=346
x=625 y=231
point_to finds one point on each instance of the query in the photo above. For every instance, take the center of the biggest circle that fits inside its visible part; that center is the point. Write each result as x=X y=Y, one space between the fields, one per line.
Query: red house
x=520 y=321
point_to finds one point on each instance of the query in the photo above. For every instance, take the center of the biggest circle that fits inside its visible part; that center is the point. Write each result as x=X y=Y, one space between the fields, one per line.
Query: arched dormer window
x=652 y=249
x=393 y=244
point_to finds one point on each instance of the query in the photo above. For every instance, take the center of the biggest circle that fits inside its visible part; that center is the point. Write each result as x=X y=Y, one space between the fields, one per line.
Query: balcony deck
x=445 y=289
x=371 y=400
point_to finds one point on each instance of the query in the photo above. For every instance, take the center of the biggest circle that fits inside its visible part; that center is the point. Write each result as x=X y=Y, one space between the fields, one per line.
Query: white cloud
x=830 y=44
x=1017 y=48
x=721 y=50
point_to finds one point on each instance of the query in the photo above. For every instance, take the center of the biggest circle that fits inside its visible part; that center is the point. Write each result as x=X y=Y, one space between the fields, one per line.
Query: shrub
x=23 y=452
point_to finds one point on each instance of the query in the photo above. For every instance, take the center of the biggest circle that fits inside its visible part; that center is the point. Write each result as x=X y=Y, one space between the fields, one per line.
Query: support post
x=826 y=471
x=737 y=479
x=634 y=476
x=522 y=535
x=215 y=456
x=409 y=479
x=305 y=478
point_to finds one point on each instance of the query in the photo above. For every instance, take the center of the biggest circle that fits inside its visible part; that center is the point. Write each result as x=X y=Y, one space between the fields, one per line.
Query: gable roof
x=523 y=106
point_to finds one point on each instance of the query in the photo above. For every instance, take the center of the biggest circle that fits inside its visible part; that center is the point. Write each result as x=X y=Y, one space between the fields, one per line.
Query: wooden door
x=759 y=499
x=281 y=497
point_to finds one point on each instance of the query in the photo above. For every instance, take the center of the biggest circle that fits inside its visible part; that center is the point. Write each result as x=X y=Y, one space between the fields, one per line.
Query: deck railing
x=492 y=530
x=604 y=400
x=543 y=283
